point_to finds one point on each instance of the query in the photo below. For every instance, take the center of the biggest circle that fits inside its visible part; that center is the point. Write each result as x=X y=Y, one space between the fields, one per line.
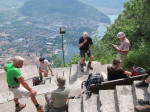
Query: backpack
x=92 y=80
x=36 y=81
x=138 y=70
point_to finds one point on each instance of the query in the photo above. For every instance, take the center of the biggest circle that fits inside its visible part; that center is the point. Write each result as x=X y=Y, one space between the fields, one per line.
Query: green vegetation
x=71 y=8
x=57 y=62
x=135 y=22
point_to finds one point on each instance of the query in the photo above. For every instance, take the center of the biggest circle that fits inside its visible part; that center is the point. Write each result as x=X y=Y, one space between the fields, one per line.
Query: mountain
x=116 y=4
x=68 y=8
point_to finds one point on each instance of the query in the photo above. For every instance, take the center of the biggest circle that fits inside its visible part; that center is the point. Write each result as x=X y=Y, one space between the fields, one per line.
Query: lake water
x=71 y=50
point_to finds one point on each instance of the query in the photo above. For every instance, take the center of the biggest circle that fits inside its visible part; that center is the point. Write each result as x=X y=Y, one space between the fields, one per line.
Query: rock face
x=121 y=99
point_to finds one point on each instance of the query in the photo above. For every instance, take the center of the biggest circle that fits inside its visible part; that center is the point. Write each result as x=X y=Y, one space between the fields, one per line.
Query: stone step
x=10 y=106
x=41 y=89
x=29 y=71
x=124 y=98
x=87 y=71
x=67 y=74
x=140 y=93
x=95 y=103
x=2 y=71
x=3 y=81
x=86 y=103
x=73 y=74
x=91 y=103
x=48 y=81
x=107 y=100
x=74 y=105
x=61 y=71
x=58 y=71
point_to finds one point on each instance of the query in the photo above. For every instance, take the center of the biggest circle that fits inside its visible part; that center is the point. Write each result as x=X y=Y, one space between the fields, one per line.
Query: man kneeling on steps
x=18 y=86
x=57 y=100
x=85 y=45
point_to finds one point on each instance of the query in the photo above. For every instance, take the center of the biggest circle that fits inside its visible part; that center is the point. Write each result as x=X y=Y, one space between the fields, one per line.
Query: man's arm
x=25 y=85
x=5 y=68
x=89 y=48
x=125 y=51
x=127 y=73
x=51 y=70
x=80 y=45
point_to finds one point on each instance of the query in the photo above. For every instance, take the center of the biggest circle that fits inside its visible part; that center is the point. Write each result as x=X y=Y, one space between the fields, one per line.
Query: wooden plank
x=112 y=84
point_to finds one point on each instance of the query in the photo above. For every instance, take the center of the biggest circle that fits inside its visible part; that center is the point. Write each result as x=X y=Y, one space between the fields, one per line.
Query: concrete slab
x=3 y=85
x=86 y=103
x=96 y=68
x=10 y=106
x=95 y=103
x=2 y=71
x=29 y=71
x=140 y=93
x=91 y=103
x=74 y=105
x=107 y=100
x=73 y=75
x=125 y=98
x=67 y=74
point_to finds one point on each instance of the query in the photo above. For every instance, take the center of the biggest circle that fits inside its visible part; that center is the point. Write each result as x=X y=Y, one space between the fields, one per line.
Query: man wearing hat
x=85 y=45
x=115 y=72
x=123 y=48
x=43 y=67
x=57 y=100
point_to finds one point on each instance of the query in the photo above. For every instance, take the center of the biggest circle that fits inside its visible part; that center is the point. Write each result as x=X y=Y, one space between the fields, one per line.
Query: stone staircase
x=121 y=99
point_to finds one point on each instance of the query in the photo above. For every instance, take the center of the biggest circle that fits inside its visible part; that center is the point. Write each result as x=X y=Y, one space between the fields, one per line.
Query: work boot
x=41 y=78
x=81 y=67
x=41 y=109
x=89 y=65
x=84 y=64
x=145 y=108
x=20 y=107
x=141 y=84
x=143 y=102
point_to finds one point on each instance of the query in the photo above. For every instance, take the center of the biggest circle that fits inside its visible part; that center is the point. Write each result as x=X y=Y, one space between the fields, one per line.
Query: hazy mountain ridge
x=62 y=7
x=116 y=4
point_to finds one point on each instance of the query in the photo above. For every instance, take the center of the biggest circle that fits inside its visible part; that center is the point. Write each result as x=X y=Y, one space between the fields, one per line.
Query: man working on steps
x=85 y=45
x=43 y=65
x=18 y=86
x=116 y=72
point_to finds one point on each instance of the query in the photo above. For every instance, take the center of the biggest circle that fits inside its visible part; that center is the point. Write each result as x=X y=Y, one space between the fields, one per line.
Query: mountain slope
x=116 y=4
x=62 y=7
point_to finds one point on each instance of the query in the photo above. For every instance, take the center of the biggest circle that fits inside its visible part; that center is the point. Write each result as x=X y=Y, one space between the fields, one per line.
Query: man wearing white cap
x=123 y=48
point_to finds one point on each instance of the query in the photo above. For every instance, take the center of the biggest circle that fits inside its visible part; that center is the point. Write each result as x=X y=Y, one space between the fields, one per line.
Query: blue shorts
x=83 y=52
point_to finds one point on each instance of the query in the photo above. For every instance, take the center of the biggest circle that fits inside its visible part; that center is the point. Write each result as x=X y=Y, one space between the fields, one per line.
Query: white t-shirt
x=44 y=65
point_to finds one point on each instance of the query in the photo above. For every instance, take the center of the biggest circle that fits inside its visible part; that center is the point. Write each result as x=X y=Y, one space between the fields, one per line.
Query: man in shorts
x=43 y=67
x=18 y=86
x=85 y=45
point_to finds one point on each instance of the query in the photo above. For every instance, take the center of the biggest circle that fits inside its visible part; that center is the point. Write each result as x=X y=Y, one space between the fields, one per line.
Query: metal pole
x=63 y=51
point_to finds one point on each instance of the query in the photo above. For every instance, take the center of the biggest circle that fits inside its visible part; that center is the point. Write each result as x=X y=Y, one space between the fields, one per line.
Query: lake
x=70 y=51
